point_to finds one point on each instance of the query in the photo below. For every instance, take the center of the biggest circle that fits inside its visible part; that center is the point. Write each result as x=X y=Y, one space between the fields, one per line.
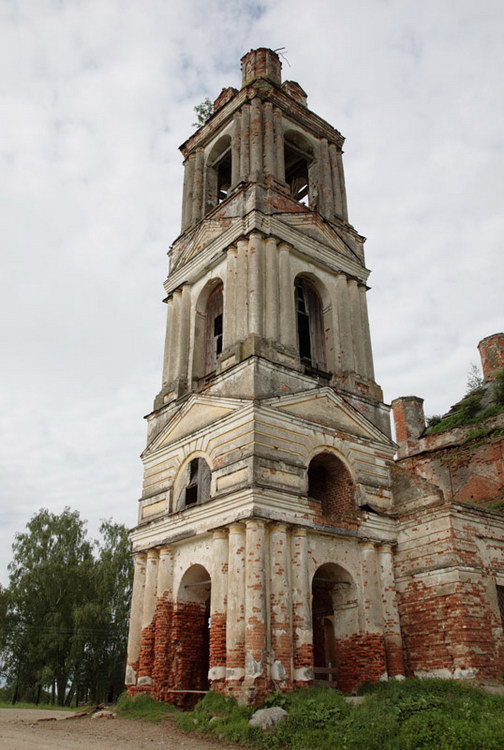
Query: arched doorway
x=333 y=617
x=191 y=632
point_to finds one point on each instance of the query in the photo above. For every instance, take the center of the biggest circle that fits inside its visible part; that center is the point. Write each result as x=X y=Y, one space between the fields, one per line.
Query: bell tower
x=264 y=540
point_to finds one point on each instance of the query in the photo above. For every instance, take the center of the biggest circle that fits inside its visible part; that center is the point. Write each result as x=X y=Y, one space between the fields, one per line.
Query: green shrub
x=498 y=389
x=143 y=707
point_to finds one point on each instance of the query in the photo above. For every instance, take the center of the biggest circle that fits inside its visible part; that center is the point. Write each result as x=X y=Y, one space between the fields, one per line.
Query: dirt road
x=21 y=729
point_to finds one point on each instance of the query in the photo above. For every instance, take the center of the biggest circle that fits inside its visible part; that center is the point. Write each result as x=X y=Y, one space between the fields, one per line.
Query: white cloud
x=95 y=99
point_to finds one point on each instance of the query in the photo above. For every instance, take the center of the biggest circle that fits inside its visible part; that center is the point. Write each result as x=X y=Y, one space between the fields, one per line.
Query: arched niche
x=331 y=484
x=312 y=333
x=209 y=329
x=298 y=157
x=218 y=173
x=334 y=618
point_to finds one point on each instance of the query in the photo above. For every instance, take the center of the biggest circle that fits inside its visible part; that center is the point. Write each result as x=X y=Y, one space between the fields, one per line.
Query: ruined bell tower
x=264 y=543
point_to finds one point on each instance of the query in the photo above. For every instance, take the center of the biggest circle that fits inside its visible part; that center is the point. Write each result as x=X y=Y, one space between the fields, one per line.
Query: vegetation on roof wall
x=475 y=407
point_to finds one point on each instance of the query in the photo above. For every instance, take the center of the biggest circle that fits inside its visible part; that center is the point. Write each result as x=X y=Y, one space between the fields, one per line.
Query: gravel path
x=21 y=729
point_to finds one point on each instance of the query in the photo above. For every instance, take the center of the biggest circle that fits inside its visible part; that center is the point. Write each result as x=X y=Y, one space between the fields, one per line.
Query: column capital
x=152 y=554
x=278 y=526
x=220 y=533
x=163 y=551
x=236 y=527
x=299 y=531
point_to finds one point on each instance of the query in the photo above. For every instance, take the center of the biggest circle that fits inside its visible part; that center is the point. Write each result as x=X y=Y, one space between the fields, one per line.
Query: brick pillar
x=391 y=623
x=255 y=284
x=287 y=309
x=281 y=605
x=164 y=622
x=235 y=618
x=219 y=574
x=135 y=628
x=344 y=321
x=371 y=604
x=256 y=140
x=148 y=625
x=302 y=633
x=409 y=420
x=255 y=601
x=245 y=144
x=229 y=316
x=272 y=317
x=491 y=350
x=241 y=297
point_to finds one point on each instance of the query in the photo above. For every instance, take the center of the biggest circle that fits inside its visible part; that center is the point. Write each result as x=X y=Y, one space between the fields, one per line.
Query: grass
x=409 y=715
x=143 y=707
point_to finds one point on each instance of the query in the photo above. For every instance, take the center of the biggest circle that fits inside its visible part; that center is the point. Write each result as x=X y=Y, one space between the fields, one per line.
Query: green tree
x=66 y=609
x=49 y=580
x=204 y=111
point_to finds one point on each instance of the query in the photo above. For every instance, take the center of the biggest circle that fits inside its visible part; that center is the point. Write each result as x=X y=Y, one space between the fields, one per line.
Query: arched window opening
x=333 y=597
x=330 y=483
x=218 y=173
x=298 y=157
x=309 y=325
x=214 y=328
x=197 y=487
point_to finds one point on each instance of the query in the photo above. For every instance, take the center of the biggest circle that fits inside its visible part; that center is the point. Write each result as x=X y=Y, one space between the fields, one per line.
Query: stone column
x=174 y=358
x=326 y=198
x=219 y=576
x=164 y=619
x=187 y=193
x=256 y=140
x=245 y=143
x=197 y=201
x=229 y=333
x=366 y=336
x=235 y=150
x=344 y=313
x=255 y=284
x=235 y=616
x=169 y=352
x=281 y=605
x=288 y=326
x=165 y=573
x=135 y=629
x=269 y=141
x=392 y=626
x=333 y=159
x=279 y=144
x=356 y=322
x=146 y=662
x=255 y=601
x=184 y=319
x=241 y=291
x=272 y=308
x=302 y=632
x=371 y=605
x=150 y=593
x=341 y=175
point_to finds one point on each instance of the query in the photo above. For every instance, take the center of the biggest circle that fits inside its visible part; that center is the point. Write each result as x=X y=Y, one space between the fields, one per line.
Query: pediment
x=323 y=232
x=202 y=237
x=324 y=407
x=197 y=413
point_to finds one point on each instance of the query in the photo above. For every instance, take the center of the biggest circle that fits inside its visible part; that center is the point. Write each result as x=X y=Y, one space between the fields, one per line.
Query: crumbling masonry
x=278 y=543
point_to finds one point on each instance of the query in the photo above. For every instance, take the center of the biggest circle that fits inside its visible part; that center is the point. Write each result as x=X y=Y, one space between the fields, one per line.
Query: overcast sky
x=95 y=98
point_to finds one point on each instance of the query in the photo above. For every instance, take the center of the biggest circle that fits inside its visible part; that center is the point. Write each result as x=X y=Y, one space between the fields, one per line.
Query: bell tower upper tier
x=266 y=292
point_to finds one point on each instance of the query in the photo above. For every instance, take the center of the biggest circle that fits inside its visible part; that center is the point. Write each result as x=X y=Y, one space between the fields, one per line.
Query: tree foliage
x=65 y=613
x=204 y=111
